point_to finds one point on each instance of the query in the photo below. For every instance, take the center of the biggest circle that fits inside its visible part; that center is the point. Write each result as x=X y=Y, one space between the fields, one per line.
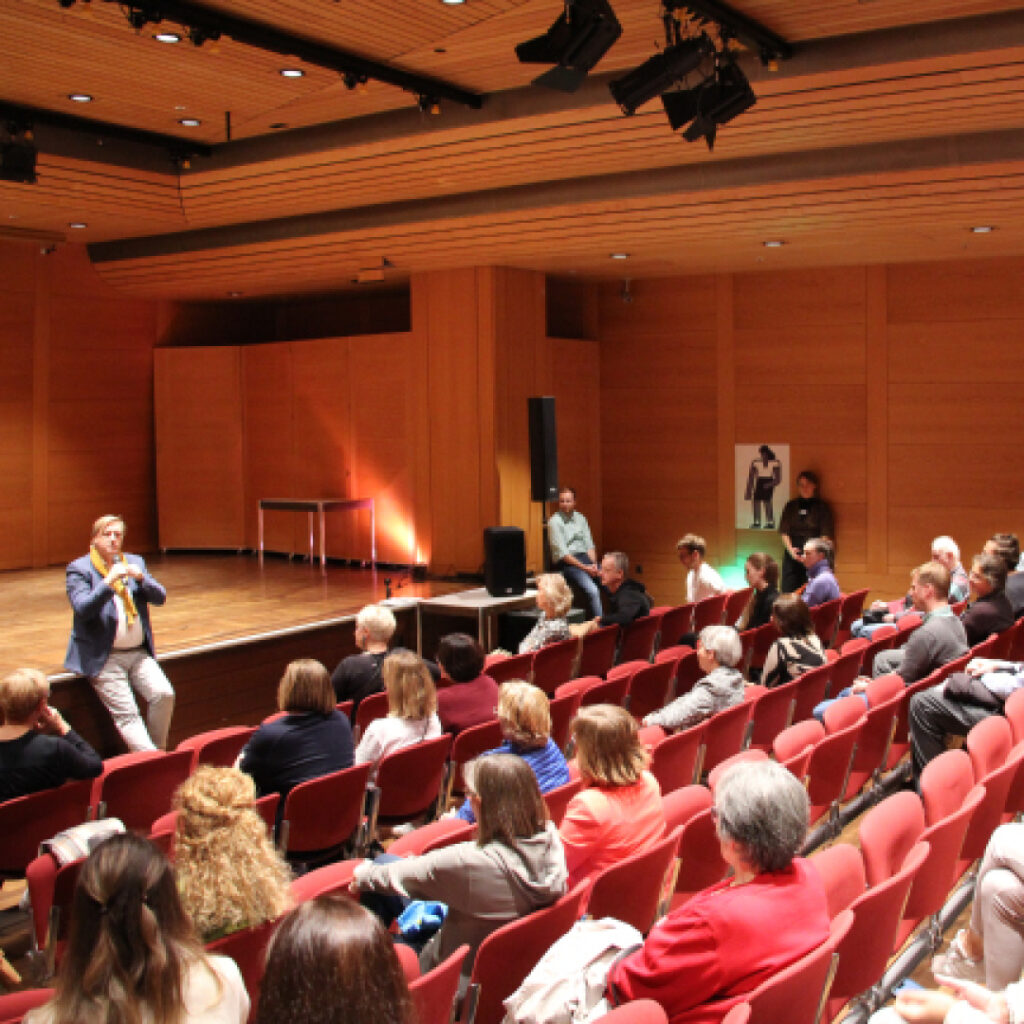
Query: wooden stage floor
x=211 y=599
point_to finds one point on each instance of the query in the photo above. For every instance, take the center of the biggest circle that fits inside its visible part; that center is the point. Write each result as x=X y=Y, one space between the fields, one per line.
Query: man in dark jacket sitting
x=626 y=599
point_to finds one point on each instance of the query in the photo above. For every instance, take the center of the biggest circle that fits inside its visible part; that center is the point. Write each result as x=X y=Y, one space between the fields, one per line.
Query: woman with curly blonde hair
x=229 y=875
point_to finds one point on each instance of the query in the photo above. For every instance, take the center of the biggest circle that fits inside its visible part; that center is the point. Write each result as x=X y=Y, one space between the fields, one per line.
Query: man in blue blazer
x=111 y=638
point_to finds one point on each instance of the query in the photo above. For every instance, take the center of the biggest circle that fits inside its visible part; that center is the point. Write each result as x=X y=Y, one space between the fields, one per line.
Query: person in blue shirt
x=525 y=718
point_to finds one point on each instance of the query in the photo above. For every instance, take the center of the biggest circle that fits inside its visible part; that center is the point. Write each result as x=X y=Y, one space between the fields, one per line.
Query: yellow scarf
x=119 y=586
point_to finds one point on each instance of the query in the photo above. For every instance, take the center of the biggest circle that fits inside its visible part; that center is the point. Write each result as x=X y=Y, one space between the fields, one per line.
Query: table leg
x=419 y=629
x=482 y=627
x=373 y=533
x=259 y=530
x=309 y=526
x=323 y=538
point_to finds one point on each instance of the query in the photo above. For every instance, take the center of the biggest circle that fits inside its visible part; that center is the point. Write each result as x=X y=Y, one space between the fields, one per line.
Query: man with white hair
x=946 y=552
x=358 y=676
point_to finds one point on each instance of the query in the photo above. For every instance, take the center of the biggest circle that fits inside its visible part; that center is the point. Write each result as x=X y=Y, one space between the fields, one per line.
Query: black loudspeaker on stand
x=504 y=560
x=543 y=450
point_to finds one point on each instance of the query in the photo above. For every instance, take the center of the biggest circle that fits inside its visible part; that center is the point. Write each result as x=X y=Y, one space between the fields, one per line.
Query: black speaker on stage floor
x=543 y=450
x=504 y=560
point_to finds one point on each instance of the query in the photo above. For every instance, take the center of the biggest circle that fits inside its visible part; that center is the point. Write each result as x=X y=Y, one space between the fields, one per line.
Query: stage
x=225 y=634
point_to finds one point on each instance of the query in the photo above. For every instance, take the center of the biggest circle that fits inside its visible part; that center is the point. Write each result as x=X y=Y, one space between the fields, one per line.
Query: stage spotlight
x=581 y=35
x=716 y=101
x=661 y=72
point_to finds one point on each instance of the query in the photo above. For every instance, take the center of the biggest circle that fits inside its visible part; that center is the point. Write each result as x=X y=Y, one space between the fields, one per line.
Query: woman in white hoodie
x=516 y=864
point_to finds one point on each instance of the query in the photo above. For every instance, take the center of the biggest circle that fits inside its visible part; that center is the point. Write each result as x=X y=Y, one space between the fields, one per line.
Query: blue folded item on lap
x=421 y=919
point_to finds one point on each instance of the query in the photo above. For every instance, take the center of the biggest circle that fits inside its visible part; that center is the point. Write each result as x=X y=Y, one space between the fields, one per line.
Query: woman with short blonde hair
x=525 y=717
x=229 y=874
x=412 y=711
x=619 y=813
x=554 y=599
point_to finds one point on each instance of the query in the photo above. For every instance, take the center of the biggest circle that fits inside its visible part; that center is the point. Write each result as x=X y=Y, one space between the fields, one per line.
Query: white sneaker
x=955 y=963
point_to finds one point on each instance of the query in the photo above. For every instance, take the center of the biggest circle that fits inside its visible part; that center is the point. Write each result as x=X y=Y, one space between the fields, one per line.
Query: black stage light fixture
x=18 y=157
x=660 y=72
x=716 y=101
x=580 y=36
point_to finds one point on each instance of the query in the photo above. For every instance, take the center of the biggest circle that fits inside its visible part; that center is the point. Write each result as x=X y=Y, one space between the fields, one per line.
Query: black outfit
x=297 y=748
x=989 y=614
x=358 y=676
x=802 y=519
x=1015 y=593
x=36 y=761
x=761 y=611
x=630 y=602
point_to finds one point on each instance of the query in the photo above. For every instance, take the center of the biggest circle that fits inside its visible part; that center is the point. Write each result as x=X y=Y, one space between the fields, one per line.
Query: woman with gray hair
x=708 y=955
x=718 y=653
x=554 y=599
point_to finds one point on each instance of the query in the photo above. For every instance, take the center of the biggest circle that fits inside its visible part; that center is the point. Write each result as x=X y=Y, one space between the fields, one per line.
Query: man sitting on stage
x=572 y=548
x=111 y=638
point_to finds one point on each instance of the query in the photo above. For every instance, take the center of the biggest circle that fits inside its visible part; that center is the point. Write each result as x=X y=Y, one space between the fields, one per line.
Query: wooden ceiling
x=893 y=131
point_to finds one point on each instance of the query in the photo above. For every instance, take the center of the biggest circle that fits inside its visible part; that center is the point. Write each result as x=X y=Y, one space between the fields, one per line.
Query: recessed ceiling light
x=79 y=97
x=167 y=37
x=234 y=295
x=291 y=72
x=189 y=122
x=983 y=229
x=619 y=256
x=773 y=243
x=452 y=3
x=77 y=225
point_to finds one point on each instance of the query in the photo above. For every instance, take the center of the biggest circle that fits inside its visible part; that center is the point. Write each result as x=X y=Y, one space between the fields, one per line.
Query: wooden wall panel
x=574 y=370
x=269 y=446
x=76 y=406
x=199 y=448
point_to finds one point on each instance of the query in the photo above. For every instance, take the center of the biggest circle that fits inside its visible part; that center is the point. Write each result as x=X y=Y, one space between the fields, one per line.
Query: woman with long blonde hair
x=133 y=956
x=229 y=874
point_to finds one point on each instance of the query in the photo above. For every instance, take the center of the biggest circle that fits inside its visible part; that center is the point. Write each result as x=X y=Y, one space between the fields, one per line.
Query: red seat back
x=735 y=603
x=27 y=821
x=841 y=868
x=607 y=691
x=724 y=733
x=557 y=800
x=508 y=954
x=519 y=666
x=563 y=710
x=51 y=889
x=218 y=746
x=330 y=878
x=638 y=639
x=700 y=856
x=248 y=948
x=306 y=828
x=597 y=651
x=688 y=672
x=772 y=712
x=682 y=804
x=433 y=836
x=553 y=664
x=649 y=688
x=139 y=791
x=374 y=706
x=14 y=1005
x=849 y=612
x=825 y=616
x=433 y=994
x=410 y=779
x=471 y=743
x=811 y=691
x=675 y=623
x=633 y=889
x=888 y=833
x=766 y=636
x=676 y=760
x=709 y=611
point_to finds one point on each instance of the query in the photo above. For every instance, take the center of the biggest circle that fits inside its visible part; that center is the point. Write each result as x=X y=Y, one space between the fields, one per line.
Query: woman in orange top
x=619 y=811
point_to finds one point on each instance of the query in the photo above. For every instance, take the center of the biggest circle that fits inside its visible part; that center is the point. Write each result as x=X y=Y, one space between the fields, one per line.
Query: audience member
x=229 y=874
x=1007 y=547
x=958 y=703
x=991 y=949
x=312 y=739
x=525 y=717
x=719 y=651
x=554 y=599
x=132 y=954
x=965 y=1003
x=332 y=962
x=31 y=760
x=990 y=610
x=627 y=598
x=359 y=675
x=946 y=552
x=412 y=707
x=702 y=959
x=572 y=548
x=619 y=813
x=939 y=640
x=798 y=648
x=701 y=580
x=819 y=560
x=111 y=636
x=803 y=517
x=516 y=864
x=762 y=573
x=471 y=695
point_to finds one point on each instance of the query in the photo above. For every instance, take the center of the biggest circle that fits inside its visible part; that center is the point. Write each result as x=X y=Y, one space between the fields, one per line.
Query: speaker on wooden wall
x=543 y=449
x=504 y=560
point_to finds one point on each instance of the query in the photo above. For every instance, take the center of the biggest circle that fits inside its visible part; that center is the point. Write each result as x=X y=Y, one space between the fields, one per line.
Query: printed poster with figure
x=762 y=485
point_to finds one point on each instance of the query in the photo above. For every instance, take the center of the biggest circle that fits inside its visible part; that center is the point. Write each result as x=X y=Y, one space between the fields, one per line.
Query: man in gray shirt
x=572 y=548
